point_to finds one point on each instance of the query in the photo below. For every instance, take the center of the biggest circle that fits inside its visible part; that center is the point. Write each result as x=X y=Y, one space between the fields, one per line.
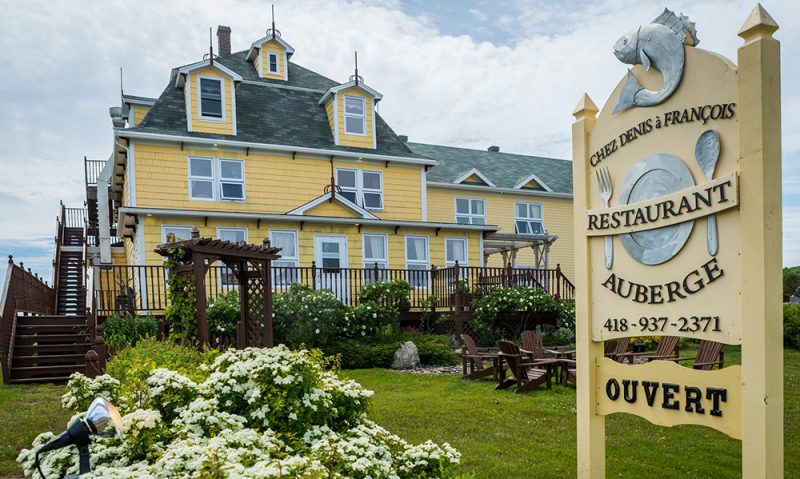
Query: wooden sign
x=677 y=225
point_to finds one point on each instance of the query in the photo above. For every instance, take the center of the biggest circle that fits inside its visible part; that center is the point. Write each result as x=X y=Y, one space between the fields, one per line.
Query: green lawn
x=501 y=434
x=507 y=435
x=25 y=412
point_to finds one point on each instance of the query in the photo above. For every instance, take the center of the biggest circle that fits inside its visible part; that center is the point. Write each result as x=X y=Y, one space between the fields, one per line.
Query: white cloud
x=61 y=74
x=479 y=15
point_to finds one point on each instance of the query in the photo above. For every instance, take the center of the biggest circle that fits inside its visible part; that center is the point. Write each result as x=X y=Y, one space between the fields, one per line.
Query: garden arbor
x=249 y=263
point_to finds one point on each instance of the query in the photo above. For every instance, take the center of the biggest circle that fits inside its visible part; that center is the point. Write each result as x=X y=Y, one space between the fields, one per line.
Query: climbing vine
x=181 y=312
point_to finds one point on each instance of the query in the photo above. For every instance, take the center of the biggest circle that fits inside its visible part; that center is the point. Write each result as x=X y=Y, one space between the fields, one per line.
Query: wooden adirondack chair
x=666 y=350
x=617 y=348
x=525 y=375
x=569 y=374
x=472 y=362
x=709 y=353
x=533 y=348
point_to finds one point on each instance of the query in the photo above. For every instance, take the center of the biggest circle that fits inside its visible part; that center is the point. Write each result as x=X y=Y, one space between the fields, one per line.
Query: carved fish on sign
x=658 y=44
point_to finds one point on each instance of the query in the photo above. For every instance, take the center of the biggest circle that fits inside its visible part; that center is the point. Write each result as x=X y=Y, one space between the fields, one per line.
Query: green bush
x=303 y=315
x=376 y=353
x=369 y=320
x=132 y=365
x=124 y=329
x=223 y=314
x=791 y=325
x=393 y=294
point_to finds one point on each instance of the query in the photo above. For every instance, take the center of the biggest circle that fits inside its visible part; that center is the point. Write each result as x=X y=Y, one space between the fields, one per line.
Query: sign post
x=678 y=233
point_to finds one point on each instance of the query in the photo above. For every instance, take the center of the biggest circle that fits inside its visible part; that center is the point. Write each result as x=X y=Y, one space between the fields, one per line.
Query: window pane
x=462 y=206
x=273 y=63
x=477 y=207
x=330 y=263
x=374 y=248
x=346 y=178
x=210 y=97
x=202 y=189
x=234 y=235
x=329 y=247
x=286 y=242
x=372 y=180
x=350 y=195
x=537 y=228
x=353 y=105
x=456 y=250
x=478 y=221
x=354 y=125
x=232 y=190
x=200 y=167
x=231 y=170
x=173 y=233
x=416 y=249
x=536 y=211
x=372 y=200
x=522 y=227
x=522 y=210
x=462 y=220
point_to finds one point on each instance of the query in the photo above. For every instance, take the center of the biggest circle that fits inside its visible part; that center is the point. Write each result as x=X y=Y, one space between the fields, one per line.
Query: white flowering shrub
x=306 y=316
x=81 y=391
x=259 y=413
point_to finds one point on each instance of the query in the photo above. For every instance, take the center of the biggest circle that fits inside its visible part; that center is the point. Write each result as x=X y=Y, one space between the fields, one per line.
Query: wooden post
x=267 y=279
x=244 y=306
x=759 y=112
x=591 y=426
x=91 y=362
x=313 y=275
x=376 y=273
x=434 y=273
x=199 y=271
x=558 y=281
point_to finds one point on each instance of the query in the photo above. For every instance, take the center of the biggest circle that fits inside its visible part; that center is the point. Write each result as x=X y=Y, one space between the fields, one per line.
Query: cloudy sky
x=467 y=73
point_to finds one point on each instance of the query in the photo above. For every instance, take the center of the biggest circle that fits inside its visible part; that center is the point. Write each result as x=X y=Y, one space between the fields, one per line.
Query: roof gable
x=315 y=204
x=351 y=84
x=256 y=45
x=532 y=182
x=180 y=80
x=474 y=176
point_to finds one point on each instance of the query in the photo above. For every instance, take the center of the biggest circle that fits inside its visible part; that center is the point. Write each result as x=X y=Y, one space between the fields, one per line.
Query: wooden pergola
x=250 y=264
x=507 y=246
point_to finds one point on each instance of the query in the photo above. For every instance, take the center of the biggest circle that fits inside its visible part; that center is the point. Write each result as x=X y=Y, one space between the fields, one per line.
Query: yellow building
x=250 y=145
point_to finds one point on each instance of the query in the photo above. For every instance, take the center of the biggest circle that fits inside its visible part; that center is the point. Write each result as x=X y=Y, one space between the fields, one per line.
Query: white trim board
x=301 y=210
x=477 y=173
x=535 y=178
x=466 y=187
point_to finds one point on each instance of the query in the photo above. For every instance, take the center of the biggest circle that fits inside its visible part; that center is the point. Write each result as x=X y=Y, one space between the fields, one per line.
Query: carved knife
x=707 y=153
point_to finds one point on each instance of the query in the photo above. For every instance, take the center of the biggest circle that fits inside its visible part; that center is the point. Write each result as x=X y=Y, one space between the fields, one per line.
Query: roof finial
x=273 y=20
x=121 y=90
x=210 y=47
x=356 y=78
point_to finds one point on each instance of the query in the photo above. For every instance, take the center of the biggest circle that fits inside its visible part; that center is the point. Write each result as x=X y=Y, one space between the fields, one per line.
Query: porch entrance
x=330 y=255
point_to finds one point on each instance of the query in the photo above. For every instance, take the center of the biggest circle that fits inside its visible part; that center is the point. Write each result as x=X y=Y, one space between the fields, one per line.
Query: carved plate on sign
x=655 y=176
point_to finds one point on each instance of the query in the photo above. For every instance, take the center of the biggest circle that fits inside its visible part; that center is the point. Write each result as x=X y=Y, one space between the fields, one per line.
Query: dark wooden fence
x=142 y=289
x=23 y=292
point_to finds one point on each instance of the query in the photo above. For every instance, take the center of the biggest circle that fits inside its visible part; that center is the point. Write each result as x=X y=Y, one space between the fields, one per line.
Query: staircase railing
x=23 y=292
x=57 y=250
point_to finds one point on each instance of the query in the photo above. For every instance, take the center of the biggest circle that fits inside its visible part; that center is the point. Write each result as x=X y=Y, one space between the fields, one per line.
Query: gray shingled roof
x=505 y=170
x=267 y=113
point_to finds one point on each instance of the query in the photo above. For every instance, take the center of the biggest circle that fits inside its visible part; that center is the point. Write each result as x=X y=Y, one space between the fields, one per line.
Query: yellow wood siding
x=358 y=141
x=273 y=183
x=305 y=238
x=331 y=209
x=500 y=212
x=139 y=111
x=210 y=126
x=268 y=47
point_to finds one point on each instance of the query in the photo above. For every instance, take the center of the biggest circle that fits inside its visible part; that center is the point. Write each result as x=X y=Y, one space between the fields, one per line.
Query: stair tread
x=50 y=379
x=49 y=368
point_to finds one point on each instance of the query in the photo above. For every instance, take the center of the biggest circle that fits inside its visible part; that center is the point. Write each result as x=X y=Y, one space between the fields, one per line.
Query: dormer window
x=355 y=118
x=211 y=98
x=273 y=63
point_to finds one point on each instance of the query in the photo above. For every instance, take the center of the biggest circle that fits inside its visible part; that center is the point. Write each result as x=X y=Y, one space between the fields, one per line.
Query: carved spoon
x=707 y=153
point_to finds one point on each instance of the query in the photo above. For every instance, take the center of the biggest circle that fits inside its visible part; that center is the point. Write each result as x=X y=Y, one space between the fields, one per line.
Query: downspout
x=103 y=215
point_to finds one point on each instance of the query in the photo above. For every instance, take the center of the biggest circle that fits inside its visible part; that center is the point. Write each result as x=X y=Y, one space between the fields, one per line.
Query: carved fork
x=606 y=190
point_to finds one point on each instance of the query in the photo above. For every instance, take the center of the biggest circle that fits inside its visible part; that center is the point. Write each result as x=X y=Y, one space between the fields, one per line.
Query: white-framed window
x=216 y=179
x=455 y=250
x=355 y=115
x=362 y=187
x=529 y=218
x=284 y=270
x=376 y=253
x=172 y=233
x=226 y=278
x=470 y=211
x=417 y=258
x=211 y=98
x=272 y=63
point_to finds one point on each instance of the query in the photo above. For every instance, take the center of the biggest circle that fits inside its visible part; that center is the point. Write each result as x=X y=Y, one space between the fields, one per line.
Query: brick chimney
x=223 y=40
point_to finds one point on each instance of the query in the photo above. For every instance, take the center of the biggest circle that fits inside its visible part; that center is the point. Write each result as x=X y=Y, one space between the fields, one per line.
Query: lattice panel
x=255 y=329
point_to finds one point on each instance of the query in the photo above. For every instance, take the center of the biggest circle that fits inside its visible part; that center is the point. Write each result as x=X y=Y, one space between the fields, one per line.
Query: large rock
x=406 y=356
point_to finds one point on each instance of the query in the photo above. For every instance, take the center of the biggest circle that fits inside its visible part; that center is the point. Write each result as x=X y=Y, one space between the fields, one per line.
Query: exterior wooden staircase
x=44 y=333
